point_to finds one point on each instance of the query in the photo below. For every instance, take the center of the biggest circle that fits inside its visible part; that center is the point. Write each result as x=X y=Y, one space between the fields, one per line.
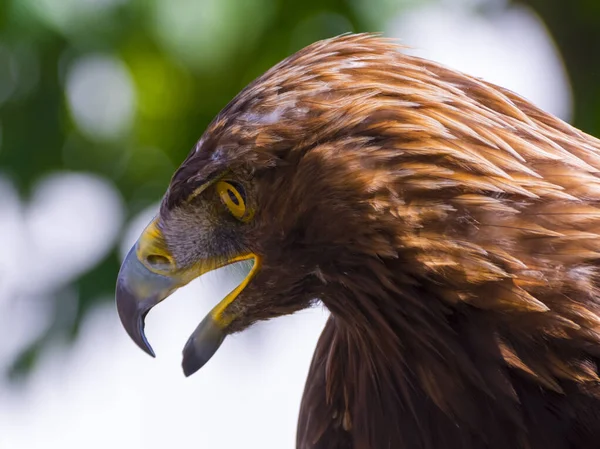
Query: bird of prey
x=450 y=227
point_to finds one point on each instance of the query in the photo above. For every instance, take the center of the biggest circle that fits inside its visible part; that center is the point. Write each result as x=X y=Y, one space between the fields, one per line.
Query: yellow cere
x=151 y=244
x=233 y=199
x=217 y=311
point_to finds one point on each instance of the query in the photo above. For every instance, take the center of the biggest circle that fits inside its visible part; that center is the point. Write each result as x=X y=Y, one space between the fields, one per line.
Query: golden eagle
x=449 y=226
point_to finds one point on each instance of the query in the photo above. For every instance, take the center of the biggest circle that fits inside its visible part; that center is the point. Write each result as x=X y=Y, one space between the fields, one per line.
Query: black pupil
x=234 y=199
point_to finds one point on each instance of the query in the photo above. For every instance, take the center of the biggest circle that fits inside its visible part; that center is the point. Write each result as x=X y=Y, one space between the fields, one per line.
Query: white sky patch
x=72 y=222
x=20 y=315
x=508 y=46
x=107 y=393
x=101 y=97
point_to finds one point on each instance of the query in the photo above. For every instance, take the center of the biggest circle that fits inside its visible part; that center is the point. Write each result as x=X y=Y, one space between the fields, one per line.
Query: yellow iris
x=233 y=199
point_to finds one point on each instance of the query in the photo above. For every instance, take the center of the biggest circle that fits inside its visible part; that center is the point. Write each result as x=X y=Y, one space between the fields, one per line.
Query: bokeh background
x=100 y=100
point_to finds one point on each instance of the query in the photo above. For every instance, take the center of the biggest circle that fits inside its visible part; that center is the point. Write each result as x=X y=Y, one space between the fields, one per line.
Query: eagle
x=449 y=226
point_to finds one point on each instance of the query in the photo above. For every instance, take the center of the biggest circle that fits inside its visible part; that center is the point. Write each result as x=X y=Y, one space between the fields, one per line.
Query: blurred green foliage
x=186 y=60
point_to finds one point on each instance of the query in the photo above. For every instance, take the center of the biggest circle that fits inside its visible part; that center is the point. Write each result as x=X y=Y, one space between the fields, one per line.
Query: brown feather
x=451 y=228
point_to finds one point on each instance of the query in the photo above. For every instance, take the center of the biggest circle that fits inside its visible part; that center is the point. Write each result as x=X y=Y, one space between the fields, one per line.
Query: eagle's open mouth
x=240 y=270
x=210 y=333
x=140 y=288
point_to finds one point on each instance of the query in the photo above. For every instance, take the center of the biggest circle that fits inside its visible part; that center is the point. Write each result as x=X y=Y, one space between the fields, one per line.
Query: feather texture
x=450 y=226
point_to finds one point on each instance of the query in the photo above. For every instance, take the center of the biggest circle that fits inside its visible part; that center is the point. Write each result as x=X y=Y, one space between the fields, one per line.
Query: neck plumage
x=399 y=368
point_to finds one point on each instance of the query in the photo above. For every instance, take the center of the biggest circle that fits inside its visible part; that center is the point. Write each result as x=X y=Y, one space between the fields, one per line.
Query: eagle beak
x=138 y=290
x=148 y=276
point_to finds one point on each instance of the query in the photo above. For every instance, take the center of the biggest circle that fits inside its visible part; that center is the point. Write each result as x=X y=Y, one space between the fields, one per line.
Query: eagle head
x=289 y=182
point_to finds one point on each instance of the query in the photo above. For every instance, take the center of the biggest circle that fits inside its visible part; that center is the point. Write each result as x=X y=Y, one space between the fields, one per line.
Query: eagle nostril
x=158 y=262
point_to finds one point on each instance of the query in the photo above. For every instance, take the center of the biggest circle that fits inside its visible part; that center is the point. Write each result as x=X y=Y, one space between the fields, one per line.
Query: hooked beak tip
x=138 y=290
x=132 y=313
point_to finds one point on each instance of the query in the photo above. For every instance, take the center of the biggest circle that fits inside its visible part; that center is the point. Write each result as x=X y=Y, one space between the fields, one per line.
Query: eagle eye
x=233 y=197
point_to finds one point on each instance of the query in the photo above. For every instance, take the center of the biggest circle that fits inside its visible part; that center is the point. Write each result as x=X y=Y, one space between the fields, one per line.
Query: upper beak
x=138 y=290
